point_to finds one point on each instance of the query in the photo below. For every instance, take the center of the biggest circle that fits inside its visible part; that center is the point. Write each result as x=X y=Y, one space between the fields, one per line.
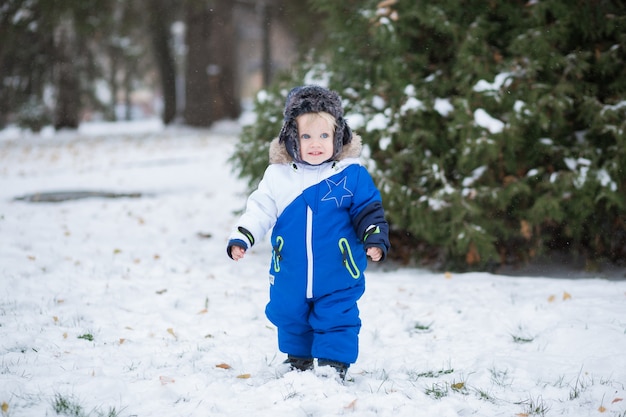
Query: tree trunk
x=128 y=86
x=159 y=27
x=67 y=83
x=223 y=68
x=266 y=53
x=197 y=91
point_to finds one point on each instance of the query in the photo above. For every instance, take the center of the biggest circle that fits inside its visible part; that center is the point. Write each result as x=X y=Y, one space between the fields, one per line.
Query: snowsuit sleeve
x=368 y=215
x=259 y=217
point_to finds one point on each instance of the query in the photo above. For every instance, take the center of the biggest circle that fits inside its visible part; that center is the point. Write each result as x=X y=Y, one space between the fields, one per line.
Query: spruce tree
x=494 y=129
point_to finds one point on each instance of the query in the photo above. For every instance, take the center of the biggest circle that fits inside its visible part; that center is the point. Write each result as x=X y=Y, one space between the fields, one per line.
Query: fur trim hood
x=279 y=154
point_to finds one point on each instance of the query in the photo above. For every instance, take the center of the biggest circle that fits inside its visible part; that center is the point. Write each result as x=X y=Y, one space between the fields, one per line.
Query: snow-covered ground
x=130 y=306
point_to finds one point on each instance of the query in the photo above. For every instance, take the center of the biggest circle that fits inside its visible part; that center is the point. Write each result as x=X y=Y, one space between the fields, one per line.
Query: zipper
x=309 y=234
x=309 y=252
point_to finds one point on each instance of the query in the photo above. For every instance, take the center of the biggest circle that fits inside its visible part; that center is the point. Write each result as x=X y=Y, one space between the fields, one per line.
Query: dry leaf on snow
x=166 y=380
x=351 y=406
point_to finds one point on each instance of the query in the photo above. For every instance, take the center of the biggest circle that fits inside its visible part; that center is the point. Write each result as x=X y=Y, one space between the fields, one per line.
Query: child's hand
x=237 y=252
x=375 y=253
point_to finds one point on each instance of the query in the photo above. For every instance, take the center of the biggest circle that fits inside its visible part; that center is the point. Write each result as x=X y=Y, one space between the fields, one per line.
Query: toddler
x=326 y=217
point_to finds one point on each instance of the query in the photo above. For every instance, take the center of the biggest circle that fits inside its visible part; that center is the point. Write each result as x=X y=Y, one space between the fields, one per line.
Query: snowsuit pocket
x=276 y=256
x=348 y=259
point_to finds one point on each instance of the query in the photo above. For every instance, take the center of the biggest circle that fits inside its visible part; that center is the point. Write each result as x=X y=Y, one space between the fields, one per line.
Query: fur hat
x=312 y=99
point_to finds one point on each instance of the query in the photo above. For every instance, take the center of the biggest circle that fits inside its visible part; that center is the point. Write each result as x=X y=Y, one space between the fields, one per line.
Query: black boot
x=301 y=364
x=340 y=367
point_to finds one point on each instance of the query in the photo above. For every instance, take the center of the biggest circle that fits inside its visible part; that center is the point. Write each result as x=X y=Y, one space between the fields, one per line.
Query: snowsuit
x=323 y=217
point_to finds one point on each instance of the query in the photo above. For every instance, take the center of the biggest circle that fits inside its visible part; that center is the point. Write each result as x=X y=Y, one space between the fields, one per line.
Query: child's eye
x=325 y=135
x=306 y=136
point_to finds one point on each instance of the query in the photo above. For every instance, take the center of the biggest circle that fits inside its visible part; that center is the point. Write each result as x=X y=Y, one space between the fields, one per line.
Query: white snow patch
x=501 y=80
x=483 y=119
x=318 y=75
x=262 y=96
x=355 y=120
x=179 y=329
x=378 y=122
x=613 y=107
x=476 y=174
x=378 y=102
x=154 y=125
x=384 y=142
x=443 y=106
x=604 y=178
x=412 y=104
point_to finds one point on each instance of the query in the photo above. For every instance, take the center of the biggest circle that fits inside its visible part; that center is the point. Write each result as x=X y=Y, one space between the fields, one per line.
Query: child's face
x=316 y=138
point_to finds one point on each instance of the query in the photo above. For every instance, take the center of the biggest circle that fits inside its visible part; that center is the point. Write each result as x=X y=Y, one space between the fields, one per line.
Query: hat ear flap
x=289 y=137
x=282 y=136
x=343 y=136
x=347 y=133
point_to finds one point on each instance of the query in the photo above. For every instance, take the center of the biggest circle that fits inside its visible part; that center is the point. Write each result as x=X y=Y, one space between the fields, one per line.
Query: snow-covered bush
x=496 y=131
x=33 y=115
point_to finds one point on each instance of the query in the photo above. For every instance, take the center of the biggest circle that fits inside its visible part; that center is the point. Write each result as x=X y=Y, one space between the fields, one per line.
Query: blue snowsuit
x=323 y=218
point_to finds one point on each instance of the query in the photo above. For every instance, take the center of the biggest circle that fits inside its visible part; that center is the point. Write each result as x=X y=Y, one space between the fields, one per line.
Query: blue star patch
x=337 y=191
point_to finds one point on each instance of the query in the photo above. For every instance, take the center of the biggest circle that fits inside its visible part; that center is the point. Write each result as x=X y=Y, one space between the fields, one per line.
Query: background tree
x=47 y=45
x=125 y=59
x=161 y=17
x=211 y=83
x=66 y=78
x=63 y=62
x=24 y=58
x=198 y=18
x=303 y=25
x=224 y=96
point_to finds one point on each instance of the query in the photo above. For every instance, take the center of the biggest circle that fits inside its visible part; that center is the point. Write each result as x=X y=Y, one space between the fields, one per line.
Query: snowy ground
x=130 y=306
